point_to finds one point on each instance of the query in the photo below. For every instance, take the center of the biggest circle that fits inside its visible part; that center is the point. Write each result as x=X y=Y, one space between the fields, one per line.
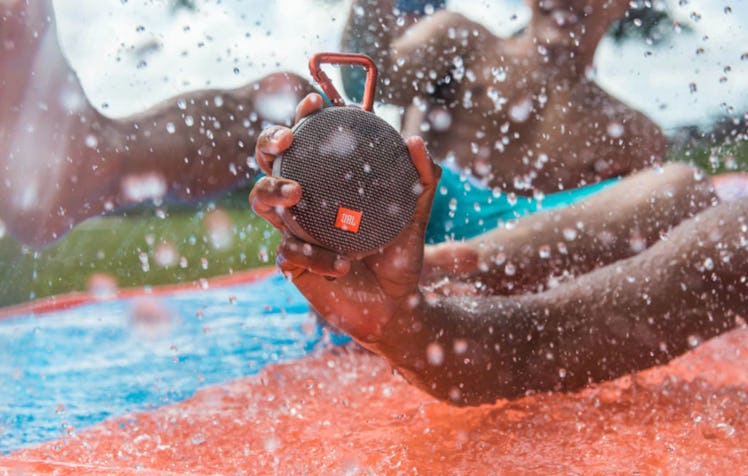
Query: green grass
x=116 y=245
x=713 y=158
x=119 y=246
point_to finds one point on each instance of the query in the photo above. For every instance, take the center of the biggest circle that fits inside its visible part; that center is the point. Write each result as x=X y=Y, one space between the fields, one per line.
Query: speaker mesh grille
x=346 y=157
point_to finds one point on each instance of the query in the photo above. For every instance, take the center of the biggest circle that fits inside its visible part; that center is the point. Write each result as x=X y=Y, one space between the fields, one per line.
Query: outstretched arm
x=621 y=318
x=62 y=161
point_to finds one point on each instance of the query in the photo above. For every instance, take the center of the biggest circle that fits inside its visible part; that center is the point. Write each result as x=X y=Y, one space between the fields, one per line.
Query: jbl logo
x=348 y=220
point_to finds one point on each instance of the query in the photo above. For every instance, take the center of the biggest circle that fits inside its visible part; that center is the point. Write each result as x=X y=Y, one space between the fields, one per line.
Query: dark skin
x=62 y=161
x=627 y=315
x=543 y=249
x=524 y=116
x=520 y=112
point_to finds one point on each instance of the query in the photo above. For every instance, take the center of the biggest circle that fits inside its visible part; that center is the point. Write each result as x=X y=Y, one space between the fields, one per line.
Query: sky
x=131 y=54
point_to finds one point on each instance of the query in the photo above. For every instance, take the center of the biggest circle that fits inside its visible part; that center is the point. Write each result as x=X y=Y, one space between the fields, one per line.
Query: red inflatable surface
x=343 y=412
x=67 y=301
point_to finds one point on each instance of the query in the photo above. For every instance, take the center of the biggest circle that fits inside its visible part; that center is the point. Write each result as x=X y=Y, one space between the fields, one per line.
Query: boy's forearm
x=460 y=351
x=626 y=317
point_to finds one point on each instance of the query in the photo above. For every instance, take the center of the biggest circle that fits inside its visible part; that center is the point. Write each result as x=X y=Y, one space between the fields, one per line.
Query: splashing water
x=220 y=229
x=520 y=112
x=137 y=188
x=150 y=318
x=165 y=254
x=276 y=107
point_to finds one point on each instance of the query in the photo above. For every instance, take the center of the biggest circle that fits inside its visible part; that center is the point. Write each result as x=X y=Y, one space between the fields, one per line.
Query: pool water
x=67 y=370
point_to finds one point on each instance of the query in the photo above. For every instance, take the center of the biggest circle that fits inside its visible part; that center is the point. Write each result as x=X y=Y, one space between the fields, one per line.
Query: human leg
x=616 y=223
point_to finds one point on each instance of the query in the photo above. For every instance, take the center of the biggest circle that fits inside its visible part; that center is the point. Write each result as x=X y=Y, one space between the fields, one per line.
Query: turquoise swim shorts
x=464 y=208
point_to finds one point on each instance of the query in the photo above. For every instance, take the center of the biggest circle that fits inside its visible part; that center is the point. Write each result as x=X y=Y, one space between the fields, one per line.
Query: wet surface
x=70 y=369
x=343 y=412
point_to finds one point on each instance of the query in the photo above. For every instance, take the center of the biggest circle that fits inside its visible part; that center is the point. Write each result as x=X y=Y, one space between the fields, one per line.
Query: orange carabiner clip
x=353 y=59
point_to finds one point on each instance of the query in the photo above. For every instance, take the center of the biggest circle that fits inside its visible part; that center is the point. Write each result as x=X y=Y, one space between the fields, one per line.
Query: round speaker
x=359 y=186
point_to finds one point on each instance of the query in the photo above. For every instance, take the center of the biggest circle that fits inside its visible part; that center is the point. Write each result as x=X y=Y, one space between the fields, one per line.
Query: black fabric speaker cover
x=359 y=186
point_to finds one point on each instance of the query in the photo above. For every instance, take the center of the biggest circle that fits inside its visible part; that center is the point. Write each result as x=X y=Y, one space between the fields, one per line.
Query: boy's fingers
x=271 y=142
x=310 y=104
x=312 y=258
x=271 y=194
x=429 y=173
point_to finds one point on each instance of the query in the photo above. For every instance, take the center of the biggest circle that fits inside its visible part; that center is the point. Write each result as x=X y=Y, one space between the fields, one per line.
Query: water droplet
x=544 y=252
x=189 y=121
x=144 y=264
x=101 y=285
x=165 y=255
x=276 y=107
x=694 y=340
x=271 y=444
x=569 y=234
x=137 y=188
x=637 y=243
x=520 y=111
x=262 y=254
x=435 y=354
x=440 y=119
x=91 y=141
x=615 y=130
x=219 y=226
x=150 y=318
x=460 y=346
x=499 y=74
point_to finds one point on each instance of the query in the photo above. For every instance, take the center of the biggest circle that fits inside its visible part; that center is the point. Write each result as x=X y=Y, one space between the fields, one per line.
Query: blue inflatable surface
x=70 y=369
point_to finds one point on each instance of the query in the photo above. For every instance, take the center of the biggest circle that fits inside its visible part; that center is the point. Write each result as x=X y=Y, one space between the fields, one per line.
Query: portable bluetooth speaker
x=359 y=185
